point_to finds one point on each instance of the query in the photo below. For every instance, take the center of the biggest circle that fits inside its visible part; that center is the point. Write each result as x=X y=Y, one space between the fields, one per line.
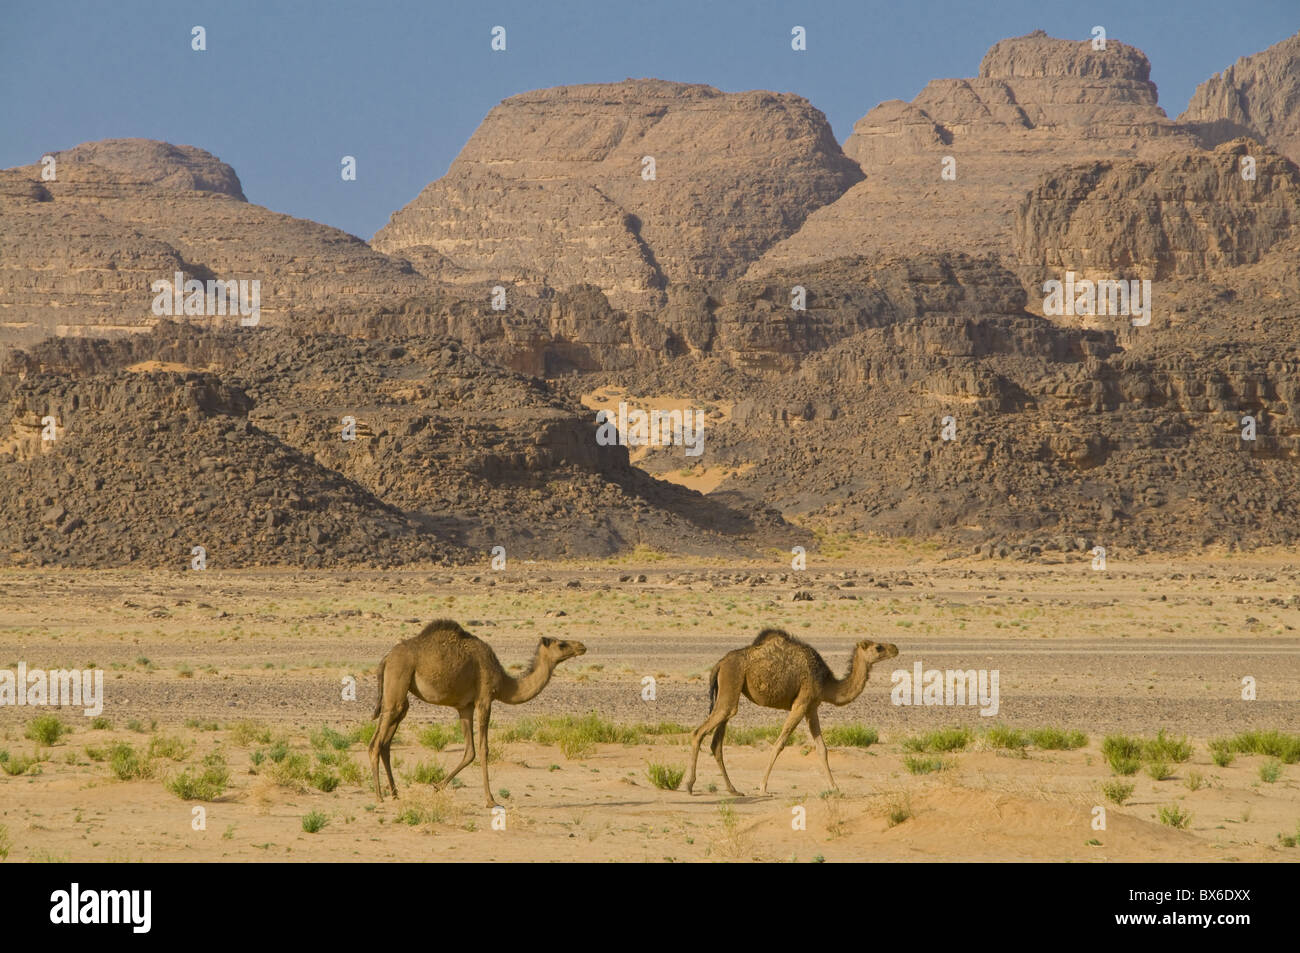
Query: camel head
x=556 y=651
x=877 y=651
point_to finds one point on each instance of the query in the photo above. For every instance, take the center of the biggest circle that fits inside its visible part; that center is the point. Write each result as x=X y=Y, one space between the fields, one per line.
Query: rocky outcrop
x=1258 y=96
x=234 y=440
x=1180 y=217
x=552 y=190
x=79 y=253
x=1037 y=103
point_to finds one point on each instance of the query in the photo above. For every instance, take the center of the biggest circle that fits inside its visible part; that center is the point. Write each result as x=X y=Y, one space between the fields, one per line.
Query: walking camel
x=779 y=671
x=445 y=665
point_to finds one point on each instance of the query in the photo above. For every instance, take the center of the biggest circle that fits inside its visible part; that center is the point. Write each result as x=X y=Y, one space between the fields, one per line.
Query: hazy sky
x=285 y=89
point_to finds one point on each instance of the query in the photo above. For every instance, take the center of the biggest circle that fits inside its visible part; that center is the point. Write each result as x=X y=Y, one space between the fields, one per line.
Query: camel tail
x=379 y=699
x=713 y=687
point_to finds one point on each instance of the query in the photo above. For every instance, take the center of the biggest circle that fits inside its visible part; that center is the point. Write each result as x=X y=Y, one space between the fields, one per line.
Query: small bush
x=1123 y=754
x=1174 y=816
x=1001 y=736
x=1117 y=792
x=207 y=784
x=1163 y=748
x=428 y=774
x=17 y=765
x=367 y=731
x=1195 y=781
x=1221 y=752
x=923 y=765
x=945 y=739
x=349 y=771
x=247 y=733
x=851 y=736
x=1158 y=770
x=1270 y=770
x=314 y=821
x=5 y=843
x=665 y=777
x=291 y=770
x=898 y=809
x=1057 y=739
x=126 y=764
x=327 y=737
x=170 y=747
x=46 y=729
x=323 y=780
x=101 y=724
x=438 y=737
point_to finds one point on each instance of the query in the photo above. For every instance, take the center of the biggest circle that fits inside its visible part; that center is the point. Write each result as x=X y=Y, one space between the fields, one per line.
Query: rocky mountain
x=872 y=352
x=945 y=171
x=1183 y=216
x=1258 y=96
x=556 y=189
x=79 y=253
x=234 y=439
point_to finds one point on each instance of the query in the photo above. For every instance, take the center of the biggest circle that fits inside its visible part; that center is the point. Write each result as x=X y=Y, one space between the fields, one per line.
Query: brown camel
x=779 y=671
x=445 y=665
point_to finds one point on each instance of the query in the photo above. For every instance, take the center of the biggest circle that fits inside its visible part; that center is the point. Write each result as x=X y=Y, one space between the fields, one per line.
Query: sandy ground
x=1139 y=647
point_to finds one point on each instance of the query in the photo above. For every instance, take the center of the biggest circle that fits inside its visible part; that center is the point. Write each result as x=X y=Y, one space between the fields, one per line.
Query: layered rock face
x=1183 y=216
x=750 y=324
x=1258 y=96
x=1037 y=103
x=79 y=253
x=233 y=440
x=552 y=191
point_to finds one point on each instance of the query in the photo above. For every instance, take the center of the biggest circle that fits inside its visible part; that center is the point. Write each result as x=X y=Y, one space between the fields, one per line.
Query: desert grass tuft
x=665 y=777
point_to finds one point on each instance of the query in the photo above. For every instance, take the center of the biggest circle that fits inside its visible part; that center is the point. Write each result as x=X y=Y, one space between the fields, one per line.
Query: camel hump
x=445 y=627
x=768 y=635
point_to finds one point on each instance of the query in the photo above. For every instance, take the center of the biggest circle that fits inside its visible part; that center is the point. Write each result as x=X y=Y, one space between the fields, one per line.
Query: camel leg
x=724 y=706
x=467 y=729
x=390 y=716
x=386 y=748
x=716 y=746
x=815 y=727
x=796 y=713
x=484 y=715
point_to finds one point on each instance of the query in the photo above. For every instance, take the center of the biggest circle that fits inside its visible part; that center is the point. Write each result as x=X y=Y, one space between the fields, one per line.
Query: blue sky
x=287 y=88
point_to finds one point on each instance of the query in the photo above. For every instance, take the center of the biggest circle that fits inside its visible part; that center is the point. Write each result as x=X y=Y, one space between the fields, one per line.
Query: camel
x=779 y=671
x=445 y=665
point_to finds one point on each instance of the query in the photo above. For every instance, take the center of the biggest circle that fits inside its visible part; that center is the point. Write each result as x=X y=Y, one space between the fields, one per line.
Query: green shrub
x=665 y=777
x=1117 y=791
x=438 y=737
x=170 y=747
x=1002 y=736
x=945 y=739
x=851 y=736
x=1284 y=747
x=923 y=765
x=246 y=733
x=46 y=729
x=206 y=784
x=126 y=764
x=428 y=774
x=314 y=821
x=1174 y=816
x=1057 y=739
x=1163 y=748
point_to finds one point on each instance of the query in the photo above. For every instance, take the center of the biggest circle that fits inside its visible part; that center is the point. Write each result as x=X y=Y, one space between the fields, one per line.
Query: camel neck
x=841 y=691
x=516 y=691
